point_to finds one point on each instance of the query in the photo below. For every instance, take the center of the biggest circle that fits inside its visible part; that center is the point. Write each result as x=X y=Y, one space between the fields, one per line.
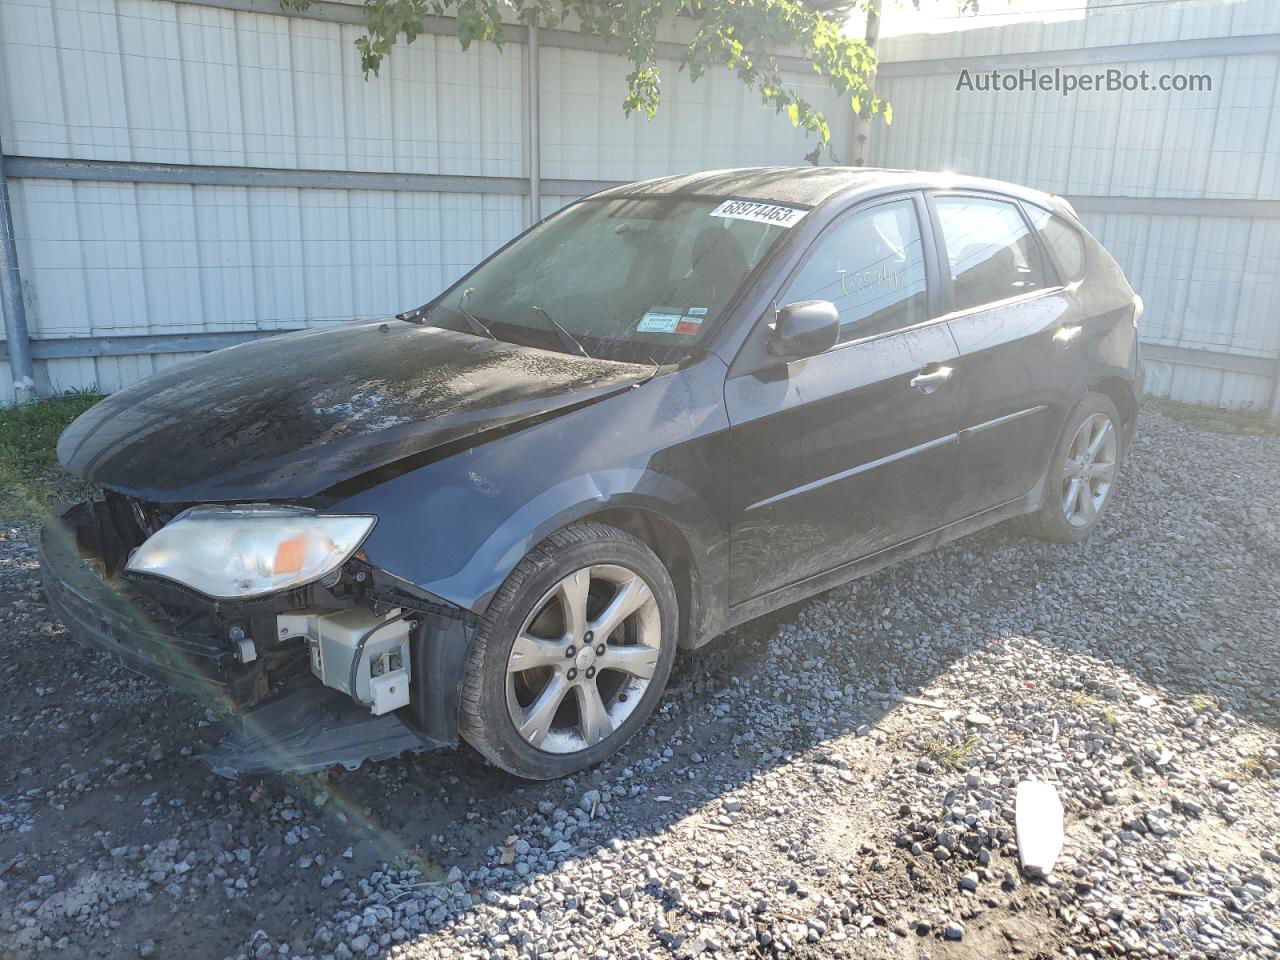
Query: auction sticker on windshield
x=771 y=213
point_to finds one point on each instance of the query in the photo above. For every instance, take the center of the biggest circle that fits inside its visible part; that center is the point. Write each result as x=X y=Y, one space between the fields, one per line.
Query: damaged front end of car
x=270 y=614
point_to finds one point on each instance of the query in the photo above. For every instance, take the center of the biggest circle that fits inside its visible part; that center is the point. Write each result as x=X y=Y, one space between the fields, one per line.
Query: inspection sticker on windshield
x=771 y=213
x=655 y=322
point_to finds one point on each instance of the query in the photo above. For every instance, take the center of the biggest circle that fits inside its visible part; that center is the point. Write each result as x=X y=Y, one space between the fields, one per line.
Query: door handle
x=1066 y=335
x=929 y=382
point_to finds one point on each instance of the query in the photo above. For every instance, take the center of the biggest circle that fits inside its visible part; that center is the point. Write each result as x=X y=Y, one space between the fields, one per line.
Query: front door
x=838 y=456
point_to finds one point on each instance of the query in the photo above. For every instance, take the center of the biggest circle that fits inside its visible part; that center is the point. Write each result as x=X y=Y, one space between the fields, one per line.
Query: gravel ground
x=833 y=781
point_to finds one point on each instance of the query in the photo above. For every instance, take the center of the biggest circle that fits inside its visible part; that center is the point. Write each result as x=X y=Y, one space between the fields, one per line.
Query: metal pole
x=535 y=127
x=1274 y=405
x=862 y=121
x=17 y=339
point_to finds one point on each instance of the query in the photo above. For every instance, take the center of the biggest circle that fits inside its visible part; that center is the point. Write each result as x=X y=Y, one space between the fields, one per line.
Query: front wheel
x=1082 y=474
x=573 y=654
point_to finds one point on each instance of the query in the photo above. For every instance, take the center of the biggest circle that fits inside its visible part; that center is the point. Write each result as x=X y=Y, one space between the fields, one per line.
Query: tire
x=1056 y=519
x=529 y=708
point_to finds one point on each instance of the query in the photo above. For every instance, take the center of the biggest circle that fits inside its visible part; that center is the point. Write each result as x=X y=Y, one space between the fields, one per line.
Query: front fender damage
x=233 y=657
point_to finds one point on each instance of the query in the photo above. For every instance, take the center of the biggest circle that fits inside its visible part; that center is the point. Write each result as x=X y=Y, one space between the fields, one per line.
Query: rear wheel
x=573 y=654
x=1082 y=474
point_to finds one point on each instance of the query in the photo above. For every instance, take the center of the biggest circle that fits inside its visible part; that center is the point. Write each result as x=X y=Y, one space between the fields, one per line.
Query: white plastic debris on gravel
x=838 y=781
x=1038 y=820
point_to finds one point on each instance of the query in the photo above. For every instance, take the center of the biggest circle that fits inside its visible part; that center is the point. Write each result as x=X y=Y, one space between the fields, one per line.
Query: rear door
x=1019 y=332
x=840 y=455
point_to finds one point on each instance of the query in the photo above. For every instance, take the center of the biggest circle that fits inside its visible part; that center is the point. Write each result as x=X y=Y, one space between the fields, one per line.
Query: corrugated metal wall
x=224 y=92
x=145 y=134
x=1208 y=270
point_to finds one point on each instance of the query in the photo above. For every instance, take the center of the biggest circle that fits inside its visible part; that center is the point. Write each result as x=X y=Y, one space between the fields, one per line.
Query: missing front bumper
x=129 y=628
x=304 y=727
x=310 y=729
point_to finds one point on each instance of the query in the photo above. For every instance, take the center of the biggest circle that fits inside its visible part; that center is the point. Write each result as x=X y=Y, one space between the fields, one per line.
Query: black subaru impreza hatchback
x=668 y=408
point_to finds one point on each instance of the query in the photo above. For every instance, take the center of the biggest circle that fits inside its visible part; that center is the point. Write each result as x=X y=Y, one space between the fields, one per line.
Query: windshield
x=627 y=279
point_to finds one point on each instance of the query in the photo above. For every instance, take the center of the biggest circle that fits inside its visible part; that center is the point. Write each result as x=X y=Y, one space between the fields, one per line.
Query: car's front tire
x=1082 y=473
x=572 y=655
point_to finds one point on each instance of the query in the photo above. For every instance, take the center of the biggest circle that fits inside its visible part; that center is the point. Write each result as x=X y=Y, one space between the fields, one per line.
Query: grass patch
x=1237 y=420
x=953 y=756
x=1110 y=718
x=1081 y=700
x=1252 y=765
x=30 y=478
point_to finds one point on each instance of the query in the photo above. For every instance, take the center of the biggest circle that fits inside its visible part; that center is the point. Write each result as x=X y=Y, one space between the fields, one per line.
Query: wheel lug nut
x=588 y=637
x=570 y=651
x=600 y=650
x=573 y=673
x=591 y=672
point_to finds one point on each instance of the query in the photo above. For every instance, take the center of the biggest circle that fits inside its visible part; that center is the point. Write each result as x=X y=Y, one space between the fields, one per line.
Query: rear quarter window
x=1063 y=241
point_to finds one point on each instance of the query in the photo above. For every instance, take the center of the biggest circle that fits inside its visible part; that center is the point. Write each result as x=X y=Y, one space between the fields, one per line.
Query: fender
x=577 y=498
x=440 y=645
x=463 y=522
x=1116 y=369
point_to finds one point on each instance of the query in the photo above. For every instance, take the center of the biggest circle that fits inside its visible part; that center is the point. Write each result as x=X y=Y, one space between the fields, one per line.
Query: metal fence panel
x=126 y=259
x=713 y=123
x=1209 y=275
x=125 y=256
x=238 y=106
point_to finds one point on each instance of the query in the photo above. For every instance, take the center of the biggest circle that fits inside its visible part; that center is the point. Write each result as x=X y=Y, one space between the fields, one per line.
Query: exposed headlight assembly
x=230 y=553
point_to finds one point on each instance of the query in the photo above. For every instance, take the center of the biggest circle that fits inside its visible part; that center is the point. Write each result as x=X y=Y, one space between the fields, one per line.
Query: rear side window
x=1063 y=241
x=991 y=251
x=871 y=267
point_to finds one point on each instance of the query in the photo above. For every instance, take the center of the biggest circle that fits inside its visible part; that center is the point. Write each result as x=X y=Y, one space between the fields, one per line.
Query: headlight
x=235 y=552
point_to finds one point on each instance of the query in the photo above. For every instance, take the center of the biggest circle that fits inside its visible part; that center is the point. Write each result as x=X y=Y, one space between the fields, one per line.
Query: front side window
x=635 y=279
x=871 y=267
x=990 y=249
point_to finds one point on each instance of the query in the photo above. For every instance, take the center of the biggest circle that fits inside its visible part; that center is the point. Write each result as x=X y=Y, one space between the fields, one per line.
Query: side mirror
x=804 y=329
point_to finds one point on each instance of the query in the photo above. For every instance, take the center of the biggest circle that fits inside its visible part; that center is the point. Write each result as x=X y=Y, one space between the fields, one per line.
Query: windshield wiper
x=418 y=315
x=476 y=323
x=569 y=341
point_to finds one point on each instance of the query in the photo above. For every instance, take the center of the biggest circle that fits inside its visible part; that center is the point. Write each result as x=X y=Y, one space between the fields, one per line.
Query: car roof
x=811 y=186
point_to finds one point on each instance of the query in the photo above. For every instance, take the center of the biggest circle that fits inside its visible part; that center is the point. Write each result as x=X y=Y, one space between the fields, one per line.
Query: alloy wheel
x=1089 y=470
x=583 y=658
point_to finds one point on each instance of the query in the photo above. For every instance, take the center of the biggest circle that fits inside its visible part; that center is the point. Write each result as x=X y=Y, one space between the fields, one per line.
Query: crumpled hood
x=291 y=416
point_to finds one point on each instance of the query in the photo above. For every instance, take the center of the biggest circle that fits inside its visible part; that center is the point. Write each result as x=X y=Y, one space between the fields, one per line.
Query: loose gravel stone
x=834 y=780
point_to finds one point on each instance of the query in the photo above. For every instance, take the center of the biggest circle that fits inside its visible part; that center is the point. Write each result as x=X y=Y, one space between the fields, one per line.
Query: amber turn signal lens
x=290 y=555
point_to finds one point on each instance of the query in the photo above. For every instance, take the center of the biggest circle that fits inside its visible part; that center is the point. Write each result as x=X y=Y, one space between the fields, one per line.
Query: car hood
x=292 y=416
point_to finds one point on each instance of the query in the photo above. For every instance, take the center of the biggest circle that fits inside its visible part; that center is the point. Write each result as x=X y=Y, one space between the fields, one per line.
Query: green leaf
x=735 y=34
